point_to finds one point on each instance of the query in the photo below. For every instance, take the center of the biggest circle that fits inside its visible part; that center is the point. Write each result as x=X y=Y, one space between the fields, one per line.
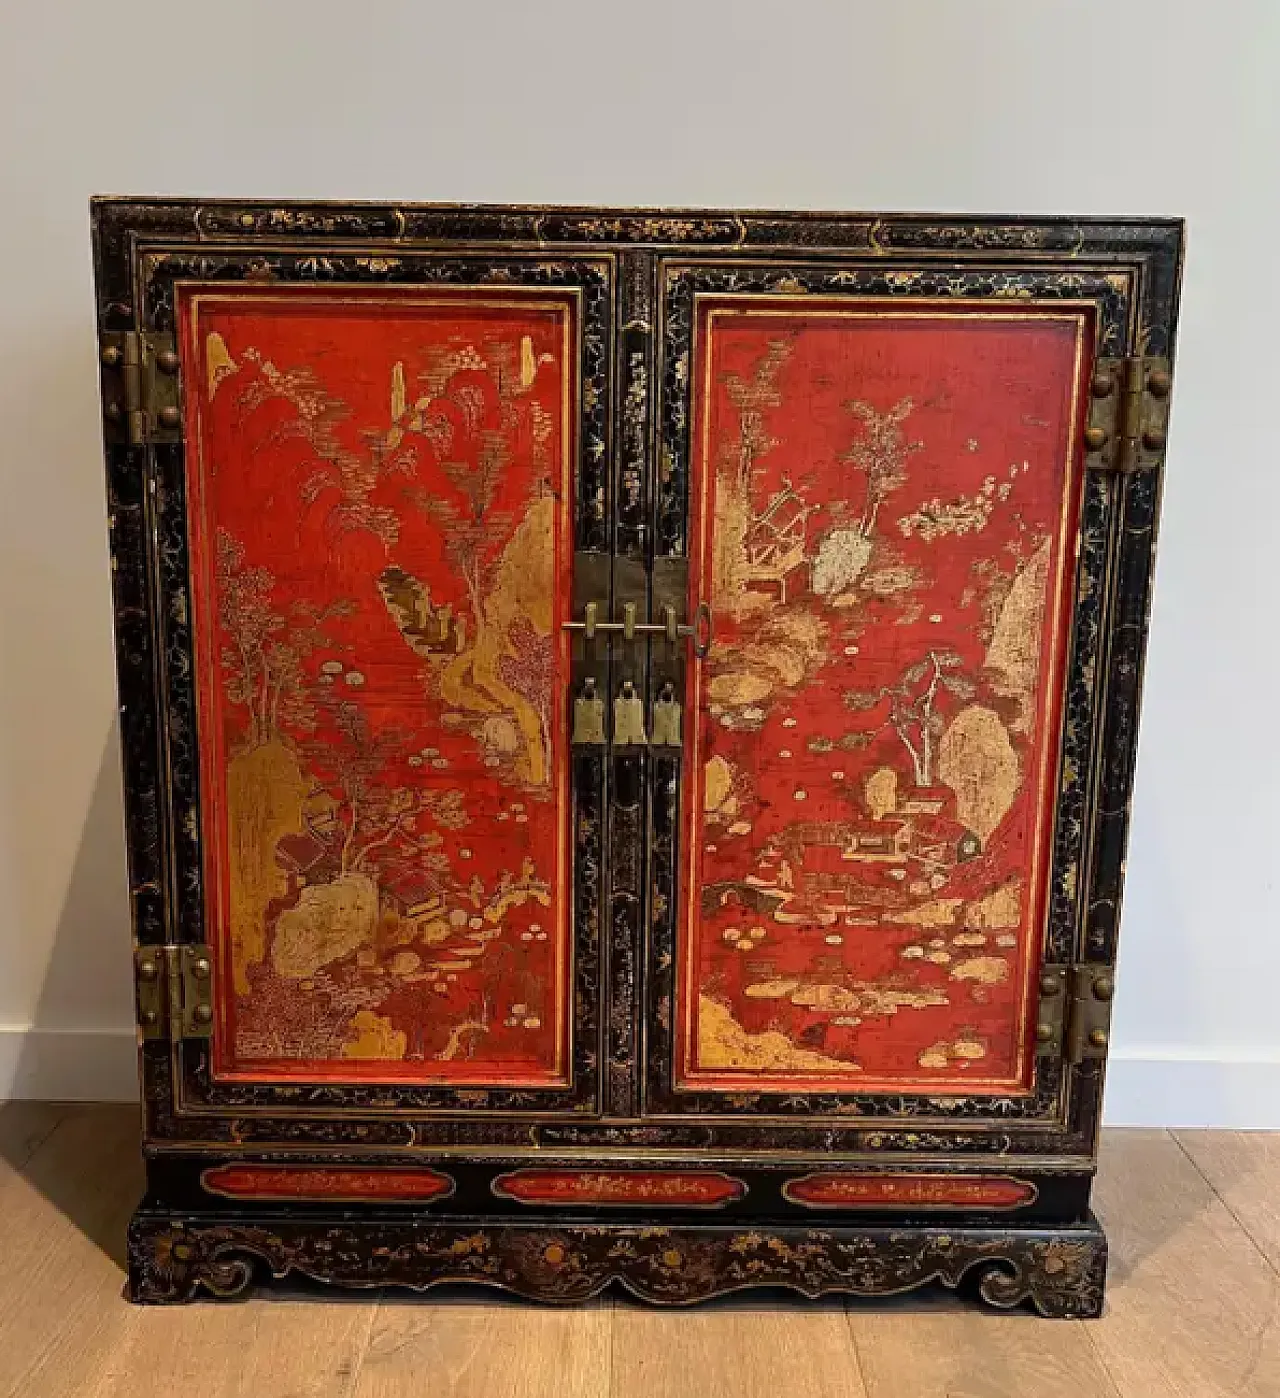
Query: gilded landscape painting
x=380 y=538
x=885 y=506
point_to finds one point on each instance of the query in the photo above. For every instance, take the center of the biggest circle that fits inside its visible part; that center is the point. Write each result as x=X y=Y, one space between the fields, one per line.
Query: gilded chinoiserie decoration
x=679 y=1189
x=1059 y=1270
x=629 y=723
x=315 y=1183
x=885 y=507
x=888 y=1190
x=379 y=514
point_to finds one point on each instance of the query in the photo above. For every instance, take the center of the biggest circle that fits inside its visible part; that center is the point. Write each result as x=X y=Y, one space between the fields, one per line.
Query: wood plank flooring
x=1193 y=1219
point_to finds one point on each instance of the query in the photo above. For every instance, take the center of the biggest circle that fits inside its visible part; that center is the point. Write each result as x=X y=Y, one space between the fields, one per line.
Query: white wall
x=1105 y=106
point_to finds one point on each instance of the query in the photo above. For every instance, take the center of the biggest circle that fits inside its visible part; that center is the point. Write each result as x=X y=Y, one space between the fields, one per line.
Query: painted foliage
x=378 y=511
x=885 y=506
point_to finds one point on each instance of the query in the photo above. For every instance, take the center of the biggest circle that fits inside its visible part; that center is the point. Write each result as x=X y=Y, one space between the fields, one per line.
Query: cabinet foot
x=175 y=1256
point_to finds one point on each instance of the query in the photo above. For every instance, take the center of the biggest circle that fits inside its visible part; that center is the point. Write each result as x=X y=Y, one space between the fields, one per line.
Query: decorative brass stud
x=671 y=1258
x=148 y=970
x=202 y=1014
x=1050 y=984
x=1044 y=1033
x=184 y=1252
x=1098 y=1038
x=150 y=1017
x=1102 y=384
x=167 y=362
x=554 y=1255
x=170 y=418
x=1095 y=438
x=201 y=967
x=246 y=220
x=1153 y=438
x=112 y=412
x=1104 y=988
x=111 y=356
x=1159 y=382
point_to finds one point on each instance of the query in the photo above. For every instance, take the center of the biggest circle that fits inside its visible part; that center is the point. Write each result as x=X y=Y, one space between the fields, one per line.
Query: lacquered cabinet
x=628 y=725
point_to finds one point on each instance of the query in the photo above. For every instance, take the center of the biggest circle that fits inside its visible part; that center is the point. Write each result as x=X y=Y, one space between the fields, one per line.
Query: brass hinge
x=175 y=992
x=140 y=387
x=1128 y=414
x=1074 y=1019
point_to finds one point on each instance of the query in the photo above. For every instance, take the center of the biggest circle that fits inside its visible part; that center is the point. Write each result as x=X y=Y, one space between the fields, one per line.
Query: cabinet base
x=175 y=1255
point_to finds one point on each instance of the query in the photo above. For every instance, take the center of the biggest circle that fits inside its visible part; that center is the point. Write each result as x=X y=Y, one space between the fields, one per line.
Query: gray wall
x=1106 y=106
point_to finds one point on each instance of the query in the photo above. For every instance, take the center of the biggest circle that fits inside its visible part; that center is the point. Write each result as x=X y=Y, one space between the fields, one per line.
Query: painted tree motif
x=527 y=668
x=355 y=475
x=880 y=454
x=470 y=526
x=913 y=709
x=475 y=409
x=264 y=662
x=381 y=819
x=476 y=418
x=752 y=397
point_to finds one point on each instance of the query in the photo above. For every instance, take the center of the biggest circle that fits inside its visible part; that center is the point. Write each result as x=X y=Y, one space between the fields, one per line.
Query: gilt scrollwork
x=1061 y=1272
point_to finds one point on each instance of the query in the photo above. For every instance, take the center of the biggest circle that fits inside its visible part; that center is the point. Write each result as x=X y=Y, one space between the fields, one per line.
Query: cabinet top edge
x=101 y=203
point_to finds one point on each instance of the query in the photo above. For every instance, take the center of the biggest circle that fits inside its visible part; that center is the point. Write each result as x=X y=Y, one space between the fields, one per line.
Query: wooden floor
x=1193 y=1218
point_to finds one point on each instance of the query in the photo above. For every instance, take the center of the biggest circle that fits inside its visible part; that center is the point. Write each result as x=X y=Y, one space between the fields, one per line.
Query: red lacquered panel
x=685 y=1189
x=884 y=524
x=379 y=510
x=909 y=1191
x=305 y=1182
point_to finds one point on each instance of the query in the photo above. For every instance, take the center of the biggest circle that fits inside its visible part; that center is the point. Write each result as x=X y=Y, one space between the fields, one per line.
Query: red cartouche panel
x=882 y=1191
x=885 y=511
x=303 y=1182
x=379 y=510
x=655 y=1188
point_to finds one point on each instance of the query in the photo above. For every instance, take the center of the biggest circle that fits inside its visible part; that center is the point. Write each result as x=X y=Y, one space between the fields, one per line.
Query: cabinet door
x=380 y=515
x=366 y=524
x=872 y=870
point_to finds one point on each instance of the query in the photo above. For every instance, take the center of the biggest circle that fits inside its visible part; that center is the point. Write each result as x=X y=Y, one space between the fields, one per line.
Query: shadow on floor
x=84 y=1159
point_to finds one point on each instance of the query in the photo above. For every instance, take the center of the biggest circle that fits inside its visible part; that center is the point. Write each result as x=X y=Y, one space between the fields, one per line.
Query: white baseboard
x=1230 y=1092
x=68 y=1065
x=100 y=1065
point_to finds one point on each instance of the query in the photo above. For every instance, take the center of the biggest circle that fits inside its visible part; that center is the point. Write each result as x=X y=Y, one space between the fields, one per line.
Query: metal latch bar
x=700 y=629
